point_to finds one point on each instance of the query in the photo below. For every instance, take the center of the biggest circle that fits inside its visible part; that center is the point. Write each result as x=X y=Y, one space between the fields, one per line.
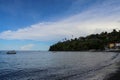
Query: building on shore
x=117 y=45
x=111 y=45
x=114 y=46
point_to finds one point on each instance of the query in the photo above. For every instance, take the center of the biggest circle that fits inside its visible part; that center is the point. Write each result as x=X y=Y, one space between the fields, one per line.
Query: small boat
x=11 y=52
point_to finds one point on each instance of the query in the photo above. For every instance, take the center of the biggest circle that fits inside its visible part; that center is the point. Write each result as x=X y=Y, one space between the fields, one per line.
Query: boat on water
x=11 y=52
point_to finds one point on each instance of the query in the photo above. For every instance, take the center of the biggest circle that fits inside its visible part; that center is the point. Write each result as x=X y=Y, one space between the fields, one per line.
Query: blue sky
x=37 y=24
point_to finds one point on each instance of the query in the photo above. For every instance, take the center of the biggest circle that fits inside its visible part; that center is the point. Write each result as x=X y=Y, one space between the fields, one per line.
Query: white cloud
x=96 y=19
x=27 y=47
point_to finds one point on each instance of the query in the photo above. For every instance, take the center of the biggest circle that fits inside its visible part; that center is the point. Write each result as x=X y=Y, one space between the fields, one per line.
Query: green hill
x=93 y=41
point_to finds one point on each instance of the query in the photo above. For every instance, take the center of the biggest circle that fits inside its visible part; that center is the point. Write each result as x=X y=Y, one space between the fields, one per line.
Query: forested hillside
x=93 y=41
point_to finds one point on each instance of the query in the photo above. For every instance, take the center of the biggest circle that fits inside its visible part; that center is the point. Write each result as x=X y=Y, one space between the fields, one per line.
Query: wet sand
x=115 y=75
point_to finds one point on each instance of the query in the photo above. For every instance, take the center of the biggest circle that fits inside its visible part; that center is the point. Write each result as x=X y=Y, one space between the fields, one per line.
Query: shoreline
x=111 y=72
x=115 y=75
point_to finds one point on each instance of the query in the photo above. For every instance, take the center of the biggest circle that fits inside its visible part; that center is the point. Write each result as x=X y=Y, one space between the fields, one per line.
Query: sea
x=45 y=65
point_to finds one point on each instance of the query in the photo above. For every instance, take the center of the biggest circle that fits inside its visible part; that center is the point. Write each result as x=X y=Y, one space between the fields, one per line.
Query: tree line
x=93 y=41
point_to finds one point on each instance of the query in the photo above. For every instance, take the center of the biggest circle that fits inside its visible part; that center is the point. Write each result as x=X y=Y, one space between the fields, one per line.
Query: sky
x=37 y=24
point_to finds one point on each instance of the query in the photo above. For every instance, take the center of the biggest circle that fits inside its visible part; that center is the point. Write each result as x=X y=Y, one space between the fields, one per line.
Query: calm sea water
x=36 y=65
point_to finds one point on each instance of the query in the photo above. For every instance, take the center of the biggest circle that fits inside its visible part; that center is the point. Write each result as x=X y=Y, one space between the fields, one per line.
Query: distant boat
x=11 y=52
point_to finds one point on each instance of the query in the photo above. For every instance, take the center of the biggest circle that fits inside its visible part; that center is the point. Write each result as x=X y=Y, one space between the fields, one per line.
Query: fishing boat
x=11 y=52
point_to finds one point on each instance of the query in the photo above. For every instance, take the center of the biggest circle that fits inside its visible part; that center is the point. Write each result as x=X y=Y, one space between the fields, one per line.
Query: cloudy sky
x=37 y=24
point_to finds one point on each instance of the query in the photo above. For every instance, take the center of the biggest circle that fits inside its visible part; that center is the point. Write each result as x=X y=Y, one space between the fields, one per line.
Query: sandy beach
x=108 y=72
x=115 y=75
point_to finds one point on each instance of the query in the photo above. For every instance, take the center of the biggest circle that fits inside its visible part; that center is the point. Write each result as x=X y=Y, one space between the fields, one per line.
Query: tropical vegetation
x=90 y=42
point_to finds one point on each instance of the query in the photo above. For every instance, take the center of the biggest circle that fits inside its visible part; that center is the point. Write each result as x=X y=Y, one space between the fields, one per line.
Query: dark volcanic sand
x=114 y=76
